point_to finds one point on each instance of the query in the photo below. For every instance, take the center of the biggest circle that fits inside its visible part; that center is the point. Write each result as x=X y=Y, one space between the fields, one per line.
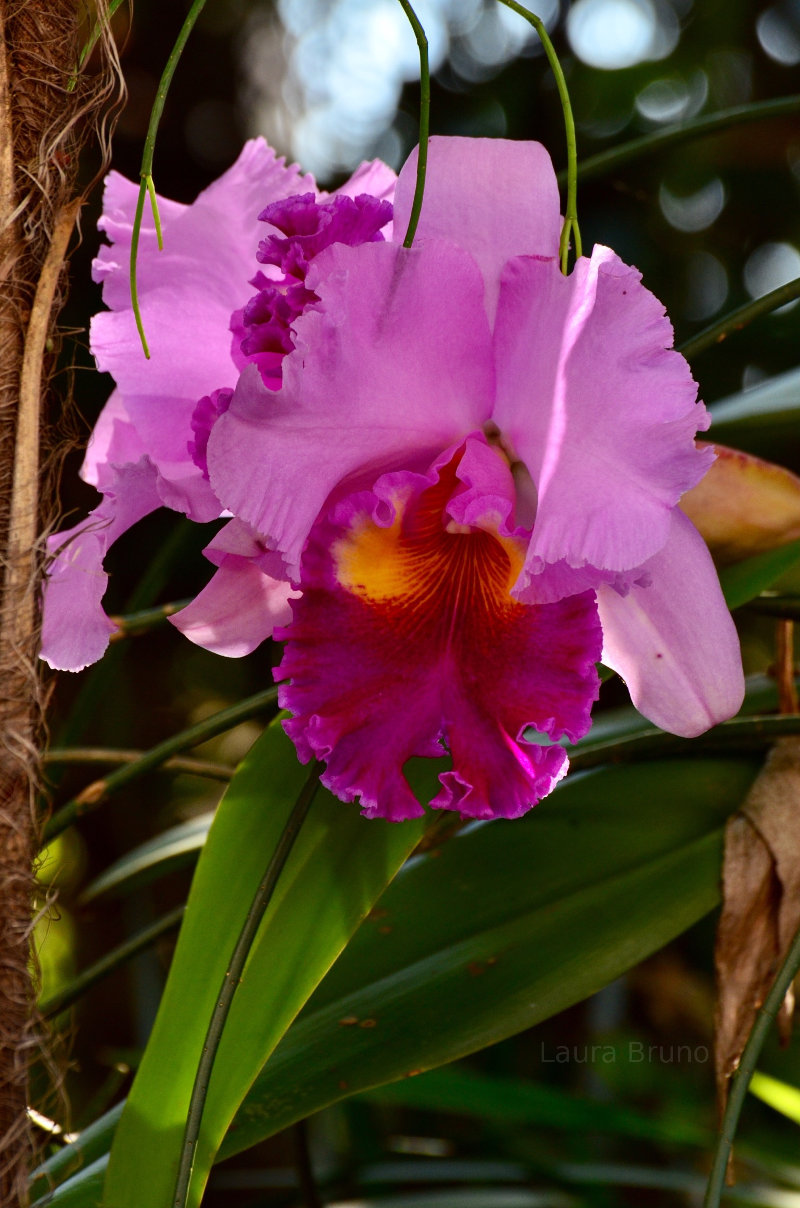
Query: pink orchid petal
x=183 y=490
x=485 y=497
x=406 y=634
x=494 y=197
x=373 y=177
x=237 y=610
x=601 y=413
x=75 y=629
x=396 y=367
x=234 y=538
x=240 y=539
x=114 y=441
x=674 y=642
x=187 y=293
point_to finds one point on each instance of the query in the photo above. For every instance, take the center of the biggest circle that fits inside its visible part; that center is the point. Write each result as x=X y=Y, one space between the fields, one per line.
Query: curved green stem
x=137 y=226
x=570 y=226
x=148 y=618
x=741 y=1079
x=114 y=756
x=255 y=914
x=146 y=170
x=739 y=318
x=73 y=990
x=424 y=120
x=98 y=792
x=615 y=157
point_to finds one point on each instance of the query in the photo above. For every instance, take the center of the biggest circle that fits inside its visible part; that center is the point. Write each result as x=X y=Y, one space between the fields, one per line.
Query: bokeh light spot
x=696 y=211
x=770 y=266
x=707 y=286
x=778 y=38
x=673 y=99
x=611 y=34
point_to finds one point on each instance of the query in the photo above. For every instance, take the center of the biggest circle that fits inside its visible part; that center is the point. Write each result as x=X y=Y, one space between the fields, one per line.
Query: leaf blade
x=315 y=909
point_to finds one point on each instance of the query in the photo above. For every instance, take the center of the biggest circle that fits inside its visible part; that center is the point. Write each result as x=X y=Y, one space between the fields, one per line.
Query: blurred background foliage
x=710 y=222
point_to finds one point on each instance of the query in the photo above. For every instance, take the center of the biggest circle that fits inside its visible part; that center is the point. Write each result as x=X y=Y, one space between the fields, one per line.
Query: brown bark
x=42 y=114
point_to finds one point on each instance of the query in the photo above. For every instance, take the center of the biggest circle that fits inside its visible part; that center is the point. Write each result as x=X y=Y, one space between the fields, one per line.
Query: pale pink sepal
x=674 y=642
x=237 y=610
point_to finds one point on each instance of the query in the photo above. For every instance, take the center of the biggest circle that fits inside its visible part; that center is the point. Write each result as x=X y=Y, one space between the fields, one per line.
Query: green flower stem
x=737 y=319
x=787 y=607
x=137 y=226
x=741 y=1079
x=114 y=756
x=148 y=618
x=98 y=792
x=424 y=120
x=742 y=734
x=151 y=190
x=255 y=914
x=616 y=157
x=73 y=990
x=571 y=214
x=146 y=170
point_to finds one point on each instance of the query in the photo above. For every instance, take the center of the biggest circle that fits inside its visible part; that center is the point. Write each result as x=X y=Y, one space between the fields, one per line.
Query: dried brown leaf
x=761 y=904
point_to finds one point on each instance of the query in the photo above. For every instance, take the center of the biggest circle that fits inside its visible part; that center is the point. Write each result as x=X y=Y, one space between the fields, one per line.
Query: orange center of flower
x=425 y=571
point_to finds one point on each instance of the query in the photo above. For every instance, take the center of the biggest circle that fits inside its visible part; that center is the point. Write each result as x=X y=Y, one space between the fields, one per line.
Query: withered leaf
x=761 y=904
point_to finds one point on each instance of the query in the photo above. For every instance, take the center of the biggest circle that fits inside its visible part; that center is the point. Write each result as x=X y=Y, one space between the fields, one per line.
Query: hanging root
x=46 y=114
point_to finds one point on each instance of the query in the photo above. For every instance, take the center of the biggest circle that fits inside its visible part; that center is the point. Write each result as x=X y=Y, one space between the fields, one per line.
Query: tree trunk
x=43 y=111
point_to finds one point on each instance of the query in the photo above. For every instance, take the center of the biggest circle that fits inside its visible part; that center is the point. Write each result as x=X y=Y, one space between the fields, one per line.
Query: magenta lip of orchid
x=452 y=473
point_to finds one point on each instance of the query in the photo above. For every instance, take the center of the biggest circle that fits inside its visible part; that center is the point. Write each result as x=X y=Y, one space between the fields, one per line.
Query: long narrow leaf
x=338 y=867
x=500 y=928
x=764 y=420
x=507 y=925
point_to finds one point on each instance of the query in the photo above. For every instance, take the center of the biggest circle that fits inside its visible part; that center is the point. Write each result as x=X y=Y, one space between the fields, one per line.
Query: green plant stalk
x=148 y=618
x=616 y=157
x=739 y=318
x=137 y=226
x=100 y=790
x=741 y=1079
x=146 y=170
x=424 y=120
x=255 y=914
x=58 y=1002
x=151 y=190
x=114 y=756
x=571 y=214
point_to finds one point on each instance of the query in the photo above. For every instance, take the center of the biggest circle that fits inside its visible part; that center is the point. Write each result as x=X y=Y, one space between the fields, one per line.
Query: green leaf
x=74 y=1159
x=506 y=925
x=172 y=849
x=781 y=1096
x=612 y=865
x=764 y=420
x=745 y=580
x=83 y=1190
x=339 y=865
x=506 y=1101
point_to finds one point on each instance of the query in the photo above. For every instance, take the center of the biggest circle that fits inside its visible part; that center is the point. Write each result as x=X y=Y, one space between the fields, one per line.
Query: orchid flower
x=454 y=477
x=147 y=447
